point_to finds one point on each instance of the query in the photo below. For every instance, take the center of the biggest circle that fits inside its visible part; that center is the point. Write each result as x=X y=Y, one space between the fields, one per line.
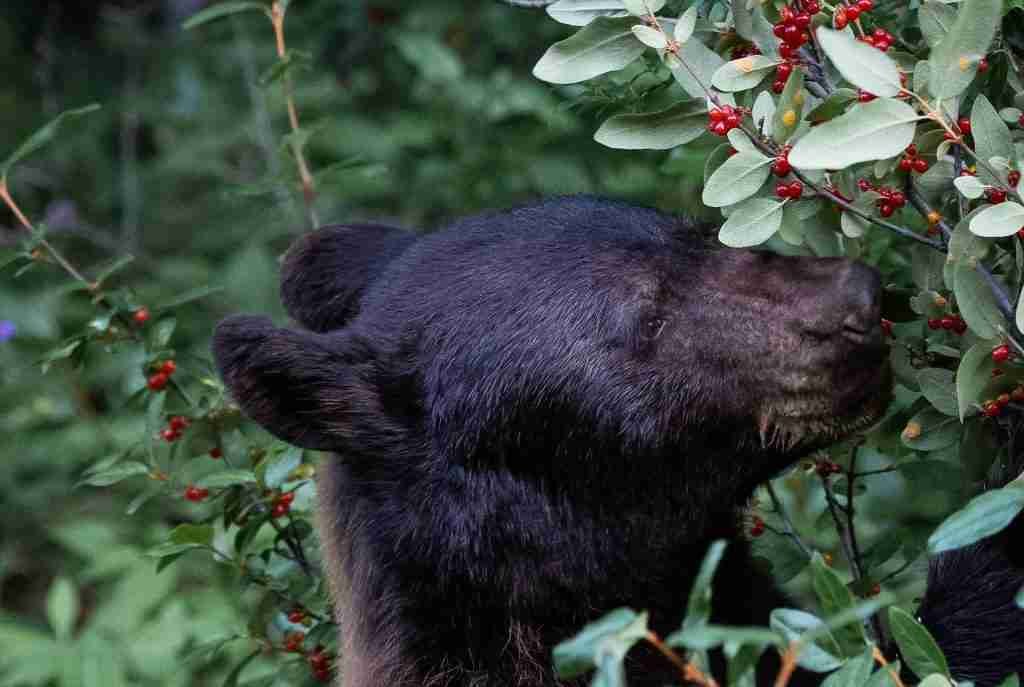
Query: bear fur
x=543 y=414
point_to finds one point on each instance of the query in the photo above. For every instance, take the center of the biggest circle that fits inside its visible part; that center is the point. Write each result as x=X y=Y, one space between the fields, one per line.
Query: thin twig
x=789 y=658
x=689 y=672
x=790 y=528
x=881 y=660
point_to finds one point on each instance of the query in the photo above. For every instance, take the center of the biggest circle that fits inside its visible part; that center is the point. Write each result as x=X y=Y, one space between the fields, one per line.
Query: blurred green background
x=416 y=113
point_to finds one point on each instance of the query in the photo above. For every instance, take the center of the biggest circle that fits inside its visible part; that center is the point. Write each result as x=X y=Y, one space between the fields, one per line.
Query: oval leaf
x=662 y=130
x=743 y=73
x=937 y=386
x=863 y=65
x=62 y=607
x=982 y=517
x=738 y=178
x=991 y=135
x=954 y=61
x=916 y=644
x=42 y=137
x=223 y=9
x=686 y=24
x=752 y=223
x=582 y=12
x=997 y=221
x=650 y=36
x=969 y=186
x=604 y=45
x=973 y=375
x=876 y=130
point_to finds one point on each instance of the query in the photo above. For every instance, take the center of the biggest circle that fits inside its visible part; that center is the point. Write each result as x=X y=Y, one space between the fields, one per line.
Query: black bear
x=543 y=414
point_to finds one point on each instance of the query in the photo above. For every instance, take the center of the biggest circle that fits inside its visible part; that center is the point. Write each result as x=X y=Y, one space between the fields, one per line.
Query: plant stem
x=690 y=672
x=277 y=13
x=790 y=528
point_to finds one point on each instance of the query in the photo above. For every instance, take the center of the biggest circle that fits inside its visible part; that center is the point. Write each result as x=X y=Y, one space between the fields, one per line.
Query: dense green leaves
x=879 y=129
x=604 y=45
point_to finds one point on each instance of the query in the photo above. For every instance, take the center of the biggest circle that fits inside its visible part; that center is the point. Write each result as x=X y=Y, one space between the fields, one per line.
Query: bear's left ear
x=303 y=388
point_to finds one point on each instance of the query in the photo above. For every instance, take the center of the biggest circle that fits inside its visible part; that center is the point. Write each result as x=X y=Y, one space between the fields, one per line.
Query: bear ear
x=326 y=272
x=302 y=387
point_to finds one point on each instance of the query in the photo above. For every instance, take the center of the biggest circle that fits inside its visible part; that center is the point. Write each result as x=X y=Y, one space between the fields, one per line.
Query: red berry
x=778 y=86
x=866 y=5
x=157 y=382
x=783 y=71
x=839 y=19
x=216 y=452
x=886 y=210
x=791 y=34
x=887 y=327
x=802 y=21
x=920 y=165
x=1001 y=353
x=779 y=29
x=196 y=494
x=716 y=115
x=982 y=65
x=935 y=323
x=757 y=527
x=964 y=124
x=796 y=189
x=864 y=184
x=141 y=316
x=293 y=642
x=279 y=510
x=168 y=367
x=1013 y=178
x=948 y=322
x=782 y=190
x=898 y=199
x=732 y=120
x=906 y=164
x=812 y=7
x=864 y=96
x=959 y=326
x=995 y=195
x=991 y=409
x=787 y=51
x=178 y=423
x=286 y=498
x=1003 y=399
x=786 y=14
x=852 y=13
x=1020 y=121
x=296 y=616
x=719 y=129
x=169 y=435
x=781 y=167
x=911 y=150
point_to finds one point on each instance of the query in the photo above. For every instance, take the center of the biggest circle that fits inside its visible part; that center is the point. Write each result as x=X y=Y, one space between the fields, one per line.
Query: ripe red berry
x=964 y=124
x=886 y=209
x=778 y=86
x=920 y=165
x=866 y=5
x=1013 y=178
x=935 y=323
x=906 y=164
x=796 y=189
x=982 y=65
x=787 y=51
x=852 y=13
x=1003 y=399
x=864 y=184
x=948 y=322
x=959 y=326
x=887 y=327
x=802 y=21
x=757 y=527
x=141 y=316
x=812 y=7
x=911 y=150
x=716 y=114
x=1020 y=233
x=169 y=435
x=995 y=195
x=216 y=452
x=781 y=167
x=1020 y=121
x=178 y=423
x=991 y=409
x=839 y=19
x=286 y=498
x=782 y=190
x=783 y=71
x=296 y=616
x=293 y=642
x=1001 y=353
x=196 y=494
x=864 y=96
x=279 y=510
x=898 y=199
x=157 y=382
x=168 y=367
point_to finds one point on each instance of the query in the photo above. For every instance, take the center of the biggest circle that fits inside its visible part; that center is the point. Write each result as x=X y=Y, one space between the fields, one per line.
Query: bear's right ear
x=302 y=387
x=326 y=272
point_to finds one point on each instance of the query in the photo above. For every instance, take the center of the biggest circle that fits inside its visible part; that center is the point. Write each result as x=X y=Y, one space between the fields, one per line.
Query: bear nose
x=859 y=290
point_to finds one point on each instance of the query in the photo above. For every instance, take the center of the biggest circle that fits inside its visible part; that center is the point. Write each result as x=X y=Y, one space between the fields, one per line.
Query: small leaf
x=969 y=186
x=977 y=304
x=224 y=9
x=582 y=12
x=997 y=221
x=621 y=628
x=226 y=478
x=861 y=64
x=662 y=130
x=604 y=45
x=982 y=517
x=938 y=387
x=650 y=36
x=62 y=607
x=954 y=61
x=973 y=375
x=643 y=8
x=752 y=223
x=835 y=597
x=822 y=653
x=991 y=135
x=686 y=24
x=788 y=113
x=738 y=178
x=917 y=646
x=42 y=137
x=115 y=474
x=880 y=129
x=763 y=112
x=189 y=297
x=698 y=608
x=743 y=73
x=936 y=18
x=192 y=534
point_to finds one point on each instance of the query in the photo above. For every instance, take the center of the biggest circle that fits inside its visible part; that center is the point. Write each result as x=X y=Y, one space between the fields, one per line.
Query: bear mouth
x=815 y=419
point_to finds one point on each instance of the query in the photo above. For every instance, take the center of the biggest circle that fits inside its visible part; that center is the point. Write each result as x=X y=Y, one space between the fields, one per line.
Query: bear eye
x=652 y=328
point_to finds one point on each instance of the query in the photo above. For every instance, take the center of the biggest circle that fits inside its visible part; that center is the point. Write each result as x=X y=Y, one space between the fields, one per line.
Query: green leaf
x=917 y=646
x=954 y=61
x=293 y=60
x=226 y=478
x=969 y=186
x=160 y=334
x=582 y=12
x=835 y=597
x=650 y=36
x=170 y=549
x=752 y=223
x=604 y=45
x=936 y=19
x=973 y=375
x=743 y=73
x=189 y=296
x=938 y=431
x=643 y=8
x=991 y=136
x=982 y=517
x=686 y=24
x=738 y=178
x=854 y=673
x=938 y=387
x=821 y=654
x=784 y=124
x=701 y=637
x=62 y=607
x=997 y=221
x=832 y=106
x=278 y=468
x=42 y=137
x=613 y=633
x=861 y=64
x=223 y=10
x=117 y=265
x=115 y=474
x=701 y=61
x=1019 y=599
x=192 y=534
x=977 y=304
x=698 y=607
x=1019 y=316
x=876 y=130
x=236 y=673
x=662 y=130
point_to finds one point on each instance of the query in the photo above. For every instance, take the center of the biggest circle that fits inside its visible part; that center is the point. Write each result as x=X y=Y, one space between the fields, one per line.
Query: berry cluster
x=994 y=407
x=844 y=14
x=880 y=38
x=722 y=120
x=175 y=426
x=890 y=201
x=757 y=527
x=781 y=166
x=196 y=494
x=952 y=323
x=995 y=195
x=782 y=73
x=793 y=27
x=320 y=663
x=824 y=468
x=293 y=642
x=158 y=381
x=911 y=161
x=282 y=504
x=793 y=189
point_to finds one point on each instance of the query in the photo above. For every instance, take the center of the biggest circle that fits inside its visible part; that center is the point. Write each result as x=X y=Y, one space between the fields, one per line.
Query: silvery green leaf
x=604 y=45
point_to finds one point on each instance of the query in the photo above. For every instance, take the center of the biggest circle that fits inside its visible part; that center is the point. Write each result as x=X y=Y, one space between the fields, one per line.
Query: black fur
x=544 y=414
